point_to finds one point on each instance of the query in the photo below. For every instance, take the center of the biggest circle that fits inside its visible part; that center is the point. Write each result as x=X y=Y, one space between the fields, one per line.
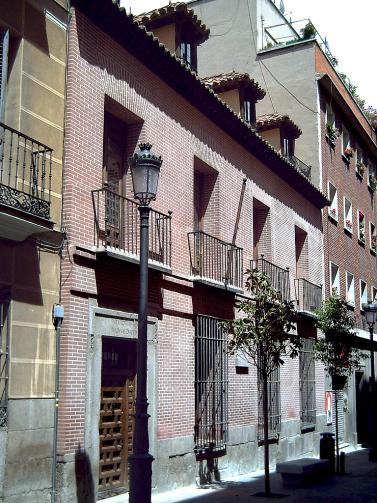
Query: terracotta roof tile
x=231 y=80
x=169 y=11
x=269 y=121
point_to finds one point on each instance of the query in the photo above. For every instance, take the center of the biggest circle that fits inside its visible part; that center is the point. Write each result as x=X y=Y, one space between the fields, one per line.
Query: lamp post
x=370 y=316
x=145 y=170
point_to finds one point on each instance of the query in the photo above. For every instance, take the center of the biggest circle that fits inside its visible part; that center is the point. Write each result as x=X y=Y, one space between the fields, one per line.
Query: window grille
x=307 y=384
x=3 y=362
x=211 y=385
x=273 y=402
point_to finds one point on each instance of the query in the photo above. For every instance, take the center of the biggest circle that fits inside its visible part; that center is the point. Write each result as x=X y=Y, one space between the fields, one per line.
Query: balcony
x=279 y=277
x=117 y=226
x=25 y=185
x=215 y=262
x=300 y=165
x=308 y=296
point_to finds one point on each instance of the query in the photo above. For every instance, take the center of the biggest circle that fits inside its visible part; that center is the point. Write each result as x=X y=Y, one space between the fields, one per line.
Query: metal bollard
x=327 y=449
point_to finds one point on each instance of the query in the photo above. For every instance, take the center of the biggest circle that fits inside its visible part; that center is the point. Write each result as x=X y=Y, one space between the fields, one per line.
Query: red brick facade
x=102 y=76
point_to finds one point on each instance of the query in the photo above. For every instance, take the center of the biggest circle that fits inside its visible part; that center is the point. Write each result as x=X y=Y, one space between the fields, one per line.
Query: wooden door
x=116 y=424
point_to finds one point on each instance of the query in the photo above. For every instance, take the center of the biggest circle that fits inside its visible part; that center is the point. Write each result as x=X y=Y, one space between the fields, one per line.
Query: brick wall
x=342 y=247
x=99 y=70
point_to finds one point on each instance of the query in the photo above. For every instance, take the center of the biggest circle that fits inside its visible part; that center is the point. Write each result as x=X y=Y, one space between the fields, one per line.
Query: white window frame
x=360 y=158
x=347 y=208
x=330 y=112
x=372 y=234
x=332 y=192
x=334 y=284
x=359 y=212
x=371 y=171
x=350 y=288
x=363 y=293
x=374 y=293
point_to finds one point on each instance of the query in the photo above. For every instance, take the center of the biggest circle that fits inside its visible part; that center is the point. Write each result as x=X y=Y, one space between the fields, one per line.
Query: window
x=347 y=151
x=363 y=293
x=350 y=289
x=186 y=46
x=274 y=411
x=333 y=196
x=288 y=146
x=372 y=180
x=211 y=385
x=360 y=162
x=4 y=48
x=373 y=238
x=361 y=230
x=348 y=215
x=374 y=294
x=307 y=384
x=331 y=131
x=334 y=279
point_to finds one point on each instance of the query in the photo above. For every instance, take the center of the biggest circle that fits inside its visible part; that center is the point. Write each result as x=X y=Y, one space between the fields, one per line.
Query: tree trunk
x=267 y=488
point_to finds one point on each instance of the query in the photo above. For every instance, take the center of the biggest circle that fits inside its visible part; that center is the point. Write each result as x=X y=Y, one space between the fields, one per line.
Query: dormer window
x=247 y=102
x=287 y=146
x=186 y=48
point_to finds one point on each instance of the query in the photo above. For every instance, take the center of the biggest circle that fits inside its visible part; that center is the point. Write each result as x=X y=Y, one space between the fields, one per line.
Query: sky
x=349 y=26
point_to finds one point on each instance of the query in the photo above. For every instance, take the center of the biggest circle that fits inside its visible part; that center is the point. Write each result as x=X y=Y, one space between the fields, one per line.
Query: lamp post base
x=140 y=478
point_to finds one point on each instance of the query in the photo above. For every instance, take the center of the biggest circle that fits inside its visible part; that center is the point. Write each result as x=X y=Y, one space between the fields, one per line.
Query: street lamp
x=145 y=170
x=370 y=316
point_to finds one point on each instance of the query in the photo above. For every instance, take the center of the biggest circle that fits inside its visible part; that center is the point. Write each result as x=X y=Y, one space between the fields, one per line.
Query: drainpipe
x=57 y=317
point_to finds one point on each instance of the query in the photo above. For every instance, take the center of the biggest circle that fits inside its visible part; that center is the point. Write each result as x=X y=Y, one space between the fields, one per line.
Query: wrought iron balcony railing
x=308 y=295
x=25 y=173
x=279 y=277
x=117 y=223
x=215 y=260
x=300 y=165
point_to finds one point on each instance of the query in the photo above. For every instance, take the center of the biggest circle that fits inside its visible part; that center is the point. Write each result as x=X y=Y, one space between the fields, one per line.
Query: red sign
x=328 y=406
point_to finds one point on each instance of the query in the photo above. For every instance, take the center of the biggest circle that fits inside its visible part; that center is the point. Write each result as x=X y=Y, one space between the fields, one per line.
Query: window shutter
x=4 y=46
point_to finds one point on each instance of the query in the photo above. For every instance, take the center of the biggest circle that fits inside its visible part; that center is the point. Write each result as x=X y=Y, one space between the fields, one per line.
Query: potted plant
x=332 y=133
x=348 y=225
x=360 y=167
x=373 y=183
x=348 y=152
x=361 y=227
x=308 y=31
x=333 y=213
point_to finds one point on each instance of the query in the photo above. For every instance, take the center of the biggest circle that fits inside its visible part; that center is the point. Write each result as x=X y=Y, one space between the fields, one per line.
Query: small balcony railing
x=301 y=166
x=215 y=260
x=308 y=295
x=25 y=173
x=279 y=277
x=117 y=228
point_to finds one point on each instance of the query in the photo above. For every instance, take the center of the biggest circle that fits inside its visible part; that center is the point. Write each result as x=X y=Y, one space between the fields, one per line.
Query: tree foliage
x=265 y=329
x=336 y=349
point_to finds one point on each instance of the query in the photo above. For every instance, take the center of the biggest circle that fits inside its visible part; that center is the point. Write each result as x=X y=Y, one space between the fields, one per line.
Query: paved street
x=358 y=484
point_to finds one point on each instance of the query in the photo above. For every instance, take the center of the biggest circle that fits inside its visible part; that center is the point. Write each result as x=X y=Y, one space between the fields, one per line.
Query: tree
x=336 y=350
x=264 y=333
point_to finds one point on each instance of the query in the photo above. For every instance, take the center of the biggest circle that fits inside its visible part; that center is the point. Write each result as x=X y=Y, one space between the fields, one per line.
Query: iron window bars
x=307 y=384
x=211 y=386
x=273 y=405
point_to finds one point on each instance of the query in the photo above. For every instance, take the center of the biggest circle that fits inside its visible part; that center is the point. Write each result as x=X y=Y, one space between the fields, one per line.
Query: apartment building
x=32 y=89
x=227 y=201
x=337 y=148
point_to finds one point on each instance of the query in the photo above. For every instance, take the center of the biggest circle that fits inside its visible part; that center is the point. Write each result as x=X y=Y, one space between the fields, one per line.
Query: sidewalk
x=358 y=485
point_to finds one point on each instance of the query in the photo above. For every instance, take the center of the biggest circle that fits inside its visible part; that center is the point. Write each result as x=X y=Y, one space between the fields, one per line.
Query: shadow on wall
x=84 y=478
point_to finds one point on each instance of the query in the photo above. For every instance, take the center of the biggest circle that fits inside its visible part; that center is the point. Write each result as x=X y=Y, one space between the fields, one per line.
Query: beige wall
x=232 y=99
x=273 y=137
x=166 y=35
x=34 y=106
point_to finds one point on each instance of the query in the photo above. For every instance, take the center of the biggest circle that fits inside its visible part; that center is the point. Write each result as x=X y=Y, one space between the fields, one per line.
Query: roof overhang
x=114 y=21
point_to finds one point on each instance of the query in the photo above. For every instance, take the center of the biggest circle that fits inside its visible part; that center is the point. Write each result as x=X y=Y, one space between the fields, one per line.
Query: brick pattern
x=99 y=71
x=340 y=246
